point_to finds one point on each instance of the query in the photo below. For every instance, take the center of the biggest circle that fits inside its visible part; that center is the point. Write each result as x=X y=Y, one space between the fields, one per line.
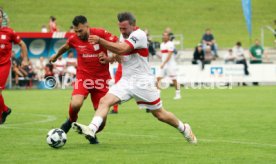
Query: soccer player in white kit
x=137 y=81
x=168 y=66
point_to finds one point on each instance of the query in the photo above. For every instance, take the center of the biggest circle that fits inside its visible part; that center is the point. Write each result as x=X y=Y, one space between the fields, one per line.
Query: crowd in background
x=65 y=69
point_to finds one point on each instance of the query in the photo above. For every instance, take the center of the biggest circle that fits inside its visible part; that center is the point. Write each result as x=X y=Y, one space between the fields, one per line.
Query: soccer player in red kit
x=92 y=75
x=7 y=36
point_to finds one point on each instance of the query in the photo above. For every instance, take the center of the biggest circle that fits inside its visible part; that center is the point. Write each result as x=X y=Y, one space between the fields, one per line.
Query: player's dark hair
x=79 y=19
x=239 y=44
x=126 y=16
x=52 y=18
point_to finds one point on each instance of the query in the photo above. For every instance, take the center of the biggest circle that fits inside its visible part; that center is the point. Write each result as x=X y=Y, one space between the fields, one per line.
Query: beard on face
x=84 y=37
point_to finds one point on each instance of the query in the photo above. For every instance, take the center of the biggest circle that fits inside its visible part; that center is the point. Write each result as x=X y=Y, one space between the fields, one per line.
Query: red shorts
x=4 y=74
x=97 y=91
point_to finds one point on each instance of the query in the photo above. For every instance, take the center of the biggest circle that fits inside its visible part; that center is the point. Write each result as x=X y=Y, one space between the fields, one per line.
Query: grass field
x=189 y=18
x=233 y=126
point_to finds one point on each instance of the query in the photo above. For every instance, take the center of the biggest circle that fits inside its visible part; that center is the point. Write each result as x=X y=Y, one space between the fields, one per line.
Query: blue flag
x=246 y=5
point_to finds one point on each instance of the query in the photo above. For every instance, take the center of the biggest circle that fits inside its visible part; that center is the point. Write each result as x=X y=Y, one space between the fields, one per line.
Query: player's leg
x=149 y=98
x=116 y=94
x=78 y=96
x=101 y=113
x=4 y=110
x=96 y=95
x=177 y=89
x=74 y=108
x=169 y=118
x=173 y=75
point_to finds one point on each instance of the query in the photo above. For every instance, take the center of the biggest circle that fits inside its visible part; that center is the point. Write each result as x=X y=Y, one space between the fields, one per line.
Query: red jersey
x=89 y=66
x=7 y=36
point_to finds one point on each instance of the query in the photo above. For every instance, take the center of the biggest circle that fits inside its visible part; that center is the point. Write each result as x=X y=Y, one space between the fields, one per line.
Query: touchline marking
x=48 y=118
x=154 y=136
x=200 y=140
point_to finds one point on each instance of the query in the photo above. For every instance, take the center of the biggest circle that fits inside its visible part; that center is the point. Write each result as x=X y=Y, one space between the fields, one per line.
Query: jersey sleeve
x=137 y=40
x=70 y=41
x=109 y=37
x=14 y=37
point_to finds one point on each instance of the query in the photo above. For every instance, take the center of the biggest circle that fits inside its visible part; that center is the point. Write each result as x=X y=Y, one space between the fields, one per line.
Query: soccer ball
x=56 y=138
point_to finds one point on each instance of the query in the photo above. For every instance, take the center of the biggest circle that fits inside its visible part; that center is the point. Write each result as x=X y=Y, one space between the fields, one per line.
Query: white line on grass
x=48 y=118
x=154 y=136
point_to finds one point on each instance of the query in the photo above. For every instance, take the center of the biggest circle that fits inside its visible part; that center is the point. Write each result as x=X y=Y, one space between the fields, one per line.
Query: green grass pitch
x=189 y=18
x=232 y=125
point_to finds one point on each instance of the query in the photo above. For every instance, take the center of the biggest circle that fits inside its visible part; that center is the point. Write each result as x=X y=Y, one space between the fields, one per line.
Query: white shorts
x=169 y=71
x=143 y=91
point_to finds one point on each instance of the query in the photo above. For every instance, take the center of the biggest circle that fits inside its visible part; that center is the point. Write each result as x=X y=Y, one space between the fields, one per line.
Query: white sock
x=95 y=123
x=181 y=126
x=177 y=92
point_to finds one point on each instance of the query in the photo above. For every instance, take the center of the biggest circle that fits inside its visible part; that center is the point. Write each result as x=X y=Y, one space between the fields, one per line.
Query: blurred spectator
x=49 y=71
x=50 y=80
x=28 y=68
x=172 y=37
x=198 y=57
x=151 y=45
x=208 y=39
x=71 y=68
x=256 y=53
x=40 y=68
x=52 y=24
x=59 y=70
x=16 y=73
x=5 y=21
x=239 y=57
x=71 y=29
x=44 y=29
x=229 y=57
x=208 y=55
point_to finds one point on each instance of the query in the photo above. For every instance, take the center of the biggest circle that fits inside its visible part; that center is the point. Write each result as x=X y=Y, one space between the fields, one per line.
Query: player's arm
x=167 y=59
x=61 y=51
x=104 y=59
x=117 y=48
x=24 y=50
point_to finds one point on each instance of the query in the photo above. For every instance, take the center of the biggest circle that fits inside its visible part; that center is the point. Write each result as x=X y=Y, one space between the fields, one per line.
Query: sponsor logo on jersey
x=96 y=47
x=82 y=46
x=3 y=37
x=89 y=55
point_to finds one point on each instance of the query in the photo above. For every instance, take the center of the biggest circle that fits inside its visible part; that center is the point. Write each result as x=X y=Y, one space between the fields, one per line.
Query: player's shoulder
x=139 y=32
x=97 y=31
x=170 y=43
x=7 y=29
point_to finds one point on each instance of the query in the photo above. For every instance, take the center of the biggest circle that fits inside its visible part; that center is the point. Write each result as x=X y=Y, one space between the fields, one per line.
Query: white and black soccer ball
x=56 y=138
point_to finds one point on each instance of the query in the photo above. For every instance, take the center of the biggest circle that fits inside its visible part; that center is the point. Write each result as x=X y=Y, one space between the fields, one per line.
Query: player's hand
x=103 y=58
x=93 y=39
x=53 y=59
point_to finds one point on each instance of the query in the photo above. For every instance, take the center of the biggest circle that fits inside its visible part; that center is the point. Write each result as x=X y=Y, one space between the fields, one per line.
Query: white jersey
x=60 y=65
x=167 y=48
x=71 y=68
x=135 y=63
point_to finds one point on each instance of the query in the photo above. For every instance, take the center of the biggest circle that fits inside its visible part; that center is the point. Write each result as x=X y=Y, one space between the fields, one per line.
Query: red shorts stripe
x=149 y=103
